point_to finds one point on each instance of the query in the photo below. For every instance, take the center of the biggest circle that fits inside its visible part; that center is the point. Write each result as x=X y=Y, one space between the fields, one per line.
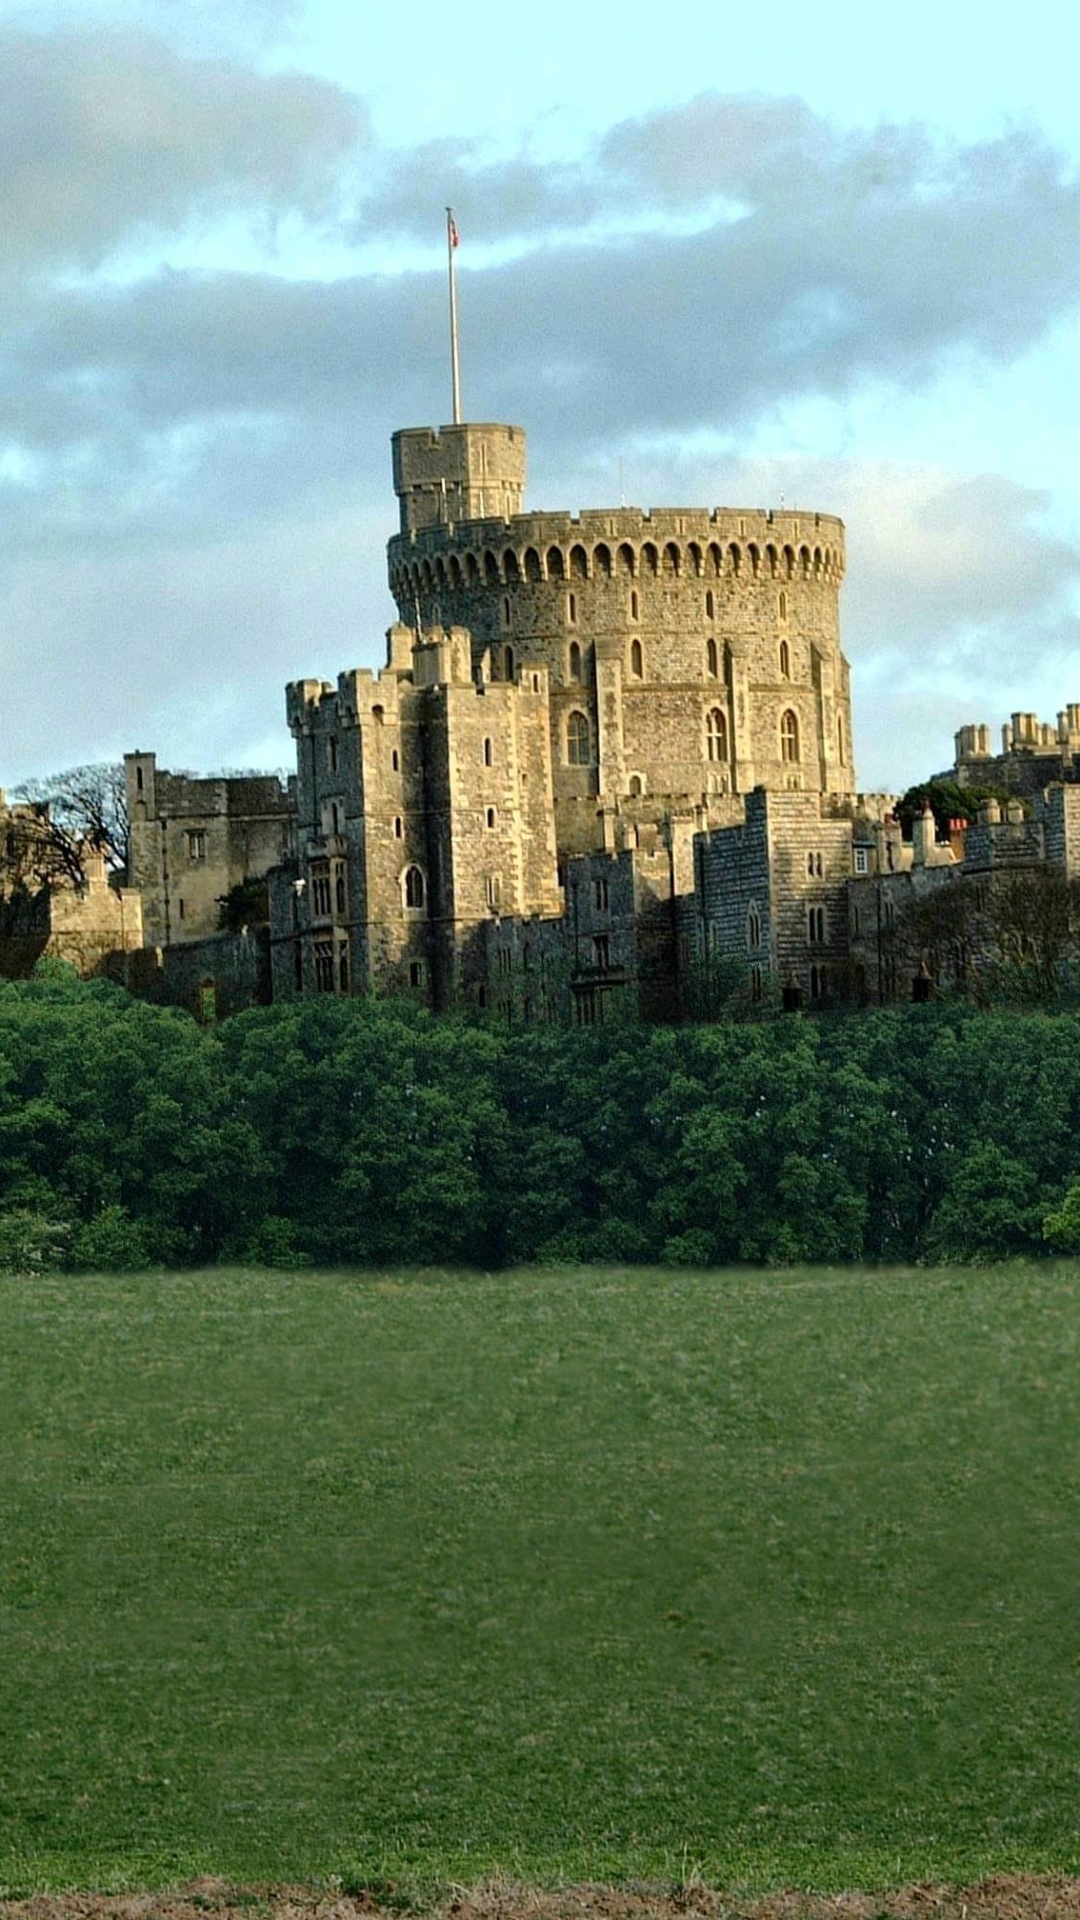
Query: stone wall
x=84 y=925
x=773 y=893
x=690 y=654
x=192 y=840
x=209 y=978
x=425 y=808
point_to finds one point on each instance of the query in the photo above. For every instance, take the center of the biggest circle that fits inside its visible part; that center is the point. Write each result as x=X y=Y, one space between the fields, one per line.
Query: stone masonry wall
x=193 y=839
x=676 y=643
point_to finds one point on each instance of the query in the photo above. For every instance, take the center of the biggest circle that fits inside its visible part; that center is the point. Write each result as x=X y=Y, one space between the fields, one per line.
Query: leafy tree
x=33 y=1241
x=948 y=800
x=992 y=1208
x=1061 y=1227
x=245 y=905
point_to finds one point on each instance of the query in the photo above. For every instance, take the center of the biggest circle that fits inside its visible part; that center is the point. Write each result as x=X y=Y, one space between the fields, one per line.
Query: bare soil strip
x=1003 y=1897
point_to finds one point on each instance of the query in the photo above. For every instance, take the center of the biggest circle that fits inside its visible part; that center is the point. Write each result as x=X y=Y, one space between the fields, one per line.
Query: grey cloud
x=151 y=415
x=186 y=650
x=954 y=586
x=114 y=137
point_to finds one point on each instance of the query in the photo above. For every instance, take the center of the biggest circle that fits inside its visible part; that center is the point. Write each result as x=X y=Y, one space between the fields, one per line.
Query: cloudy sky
x=831 y=258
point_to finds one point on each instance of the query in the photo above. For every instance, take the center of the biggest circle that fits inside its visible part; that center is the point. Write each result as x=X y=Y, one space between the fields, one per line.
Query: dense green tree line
x=367 y=1133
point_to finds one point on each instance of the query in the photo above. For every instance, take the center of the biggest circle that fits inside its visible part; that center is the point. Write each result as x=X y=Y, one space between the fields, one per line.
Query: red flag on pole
x=454 y=241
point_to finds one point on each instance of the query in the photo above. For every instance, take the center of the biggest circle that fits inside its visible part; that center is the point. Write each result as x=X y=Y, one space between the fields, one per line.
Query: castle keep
x=568 y=701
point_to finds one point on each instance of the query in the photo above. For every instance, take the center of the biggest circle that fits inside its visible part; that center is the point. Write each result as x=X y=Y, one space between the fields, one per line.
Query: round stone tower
x=692 y=653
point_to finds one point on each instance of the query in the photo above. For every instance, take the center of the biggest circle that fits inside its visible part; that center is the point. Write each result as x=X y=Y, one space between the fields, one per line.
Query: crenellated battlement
x=634 y=543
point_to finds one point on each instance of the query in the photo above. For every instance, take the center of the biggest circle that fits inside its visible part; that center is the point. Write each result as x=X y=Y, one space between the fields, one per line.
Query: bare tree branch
x=79 y=809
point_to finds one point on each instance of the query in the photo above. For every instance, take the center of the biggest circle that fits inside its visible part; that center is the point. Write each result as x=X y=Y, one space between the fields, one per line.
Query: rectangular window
x=862 y=860
x=416 y=973
x=493 y=891
x=324 y=966
x=601 y=899
x=602 y=950
x=196 y=845
x=816 y=925
x=320 y=891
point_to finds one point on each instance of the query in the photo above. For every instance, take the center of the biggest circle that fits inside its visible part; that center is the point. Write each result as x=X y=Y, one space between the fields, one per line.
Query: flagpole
x=455 y=375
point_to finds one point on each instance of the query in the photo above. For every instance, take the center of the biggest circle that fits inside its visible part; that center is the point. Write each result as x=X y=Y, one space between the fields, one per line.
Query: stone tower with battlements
x=691 y=654
x=567 y=701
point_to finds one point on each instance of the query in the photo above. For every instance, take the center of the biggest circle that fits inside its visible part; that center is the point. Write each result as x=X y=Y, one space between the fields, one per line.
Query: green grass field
x=767 y=1578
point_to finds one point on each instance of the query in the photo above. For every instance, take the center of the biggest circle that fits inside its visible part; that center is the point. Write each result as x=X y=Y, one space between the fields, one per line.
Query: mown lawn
x=764 y=1577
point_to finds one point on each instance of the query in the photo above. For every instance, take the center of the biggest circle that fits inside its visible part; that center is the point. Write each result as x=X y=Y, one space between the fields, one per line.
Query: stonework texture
x=46 y=913
x=506 y=814
x=192 y=840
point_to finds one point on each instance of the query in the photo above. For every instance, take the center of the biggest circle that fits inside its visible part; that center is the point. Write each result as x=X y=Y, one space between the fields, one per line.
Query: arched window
x=753 y=927
x=637 y=664
x=579 y=564
x=555 y=564
x=571 y=608
x=637 y=786
x=789 y=737
x=506 y=611
x=414 y=887
x=716 y=734
x=508 y=662
x=575 y=660
x=633 y=603
x=577 y=740
x=710 y=604
x=487 y=753
x=712 y=660
x=490 y=818
x=785 y=660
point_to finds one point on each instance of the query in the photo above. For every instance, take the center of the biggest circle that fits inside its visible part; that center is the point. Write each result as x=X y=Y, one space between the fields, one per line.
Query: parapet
x=701 y=543
x=972 y=743
x=466 y=472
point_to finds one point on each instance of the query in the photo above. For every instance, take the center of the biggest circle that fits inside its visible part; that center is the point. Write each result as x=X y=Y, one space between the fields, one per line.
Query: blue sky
x=707 y=260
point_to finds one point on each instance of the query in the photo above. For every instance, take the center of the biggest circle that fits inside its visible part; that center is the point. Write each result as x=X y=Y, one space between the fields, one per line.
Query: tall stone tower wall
x=458 y=473
x=691 y=654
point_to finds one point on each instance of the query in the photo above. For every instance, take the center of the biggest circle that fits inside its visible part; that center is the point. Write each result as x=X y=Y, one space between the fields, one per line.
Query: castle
x=608 y=764
x=569 y=705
